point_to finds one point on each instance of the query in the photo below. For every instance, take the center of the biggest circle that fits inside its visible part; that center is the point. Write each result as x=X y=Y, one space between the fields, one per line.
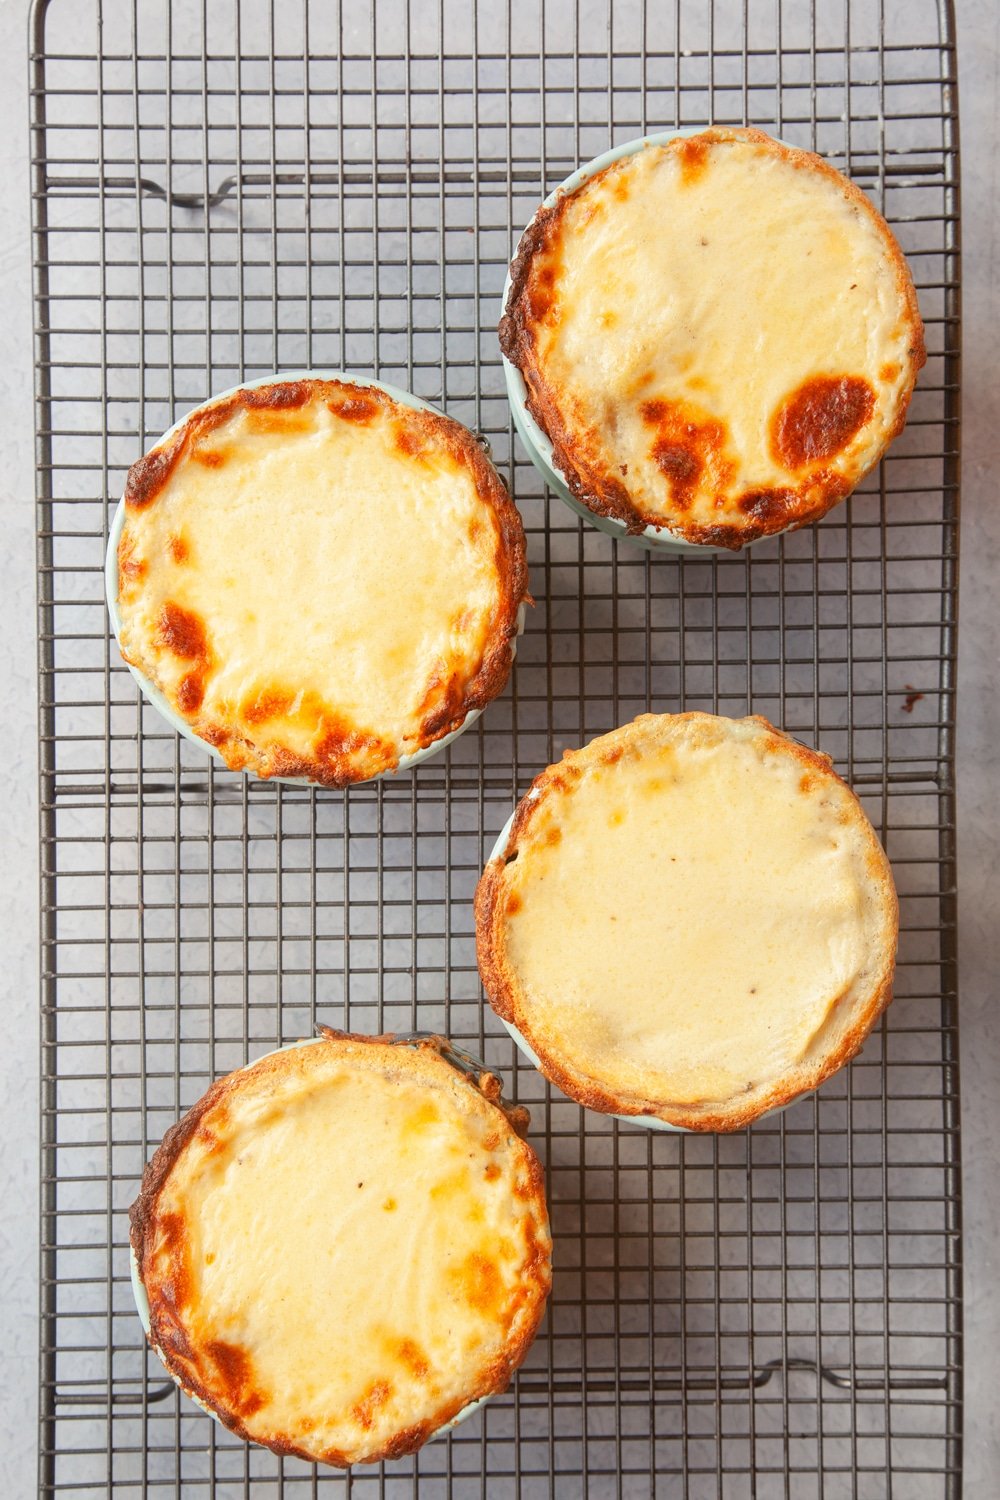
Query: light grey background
x=979 y=759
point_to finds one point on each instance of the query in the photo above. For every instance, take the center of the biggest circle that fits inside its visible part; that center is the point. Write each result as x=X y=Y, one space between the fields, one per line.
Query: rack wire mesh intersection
x=224 y=190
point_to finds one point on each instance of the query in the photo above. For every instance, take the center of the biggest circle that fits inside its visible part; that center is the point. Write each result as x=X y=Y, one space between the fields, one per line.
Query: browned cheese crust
x=249 y=735
x=495 y=901
x=811 y=434
x=221 y=1375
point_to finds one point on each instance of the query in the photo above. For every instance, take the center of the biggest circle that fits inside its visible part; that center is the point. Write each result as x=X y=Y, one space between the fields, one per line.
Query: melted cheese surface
x=356 y=1235
x=690 y=921
x=693 y=293
x=338 y=580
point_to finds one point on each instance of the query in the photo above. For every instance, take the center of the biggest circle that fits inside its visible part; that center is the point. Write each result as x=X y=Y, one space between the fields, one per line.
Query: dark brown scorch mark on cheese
x=687 y=448
x=234 y=1377
x=149 y=474
x=177 y=546
x=280 y=397
x=820 y=418
x=360 y=409
x=191 y=692
x=182 y=632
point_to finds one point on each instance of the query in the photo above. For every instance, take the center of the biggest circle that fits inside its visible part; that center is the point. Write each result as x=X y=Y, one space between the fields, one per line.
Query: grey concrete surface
x=979 y=760
x=19 y=823
x=978 y=744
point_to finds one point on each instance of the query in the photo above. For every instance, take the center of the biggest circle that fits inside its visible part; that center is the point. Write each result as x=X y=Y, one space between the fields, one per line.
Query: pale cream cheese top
x=694 y=919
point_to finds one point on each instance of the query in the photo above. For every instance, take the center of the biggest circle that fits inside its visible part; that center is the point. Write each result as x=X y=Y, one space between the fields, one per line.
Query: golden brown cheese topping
x=320 y=579
x=342 y=1247
x=693 y=919
x=719 y=335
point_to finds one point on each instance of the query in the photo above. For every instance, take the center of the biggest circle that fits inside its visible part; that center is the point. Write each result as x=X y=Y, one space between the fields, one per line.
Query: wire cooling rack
x=225 y=189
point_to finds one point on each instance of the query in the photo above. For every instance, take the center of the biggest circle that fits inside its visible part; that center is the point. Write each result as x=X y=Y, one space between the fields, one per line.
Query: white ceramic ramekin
x=653 y=538
x=464 y=1063
x=152 y=693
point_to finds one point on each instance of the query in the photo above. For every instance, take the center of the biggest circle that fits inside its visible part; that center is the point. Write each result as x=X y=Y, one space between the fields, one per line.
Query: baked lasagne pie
x=719 y=335
x=343 y=1246
x=691 y=919
x=320 y=580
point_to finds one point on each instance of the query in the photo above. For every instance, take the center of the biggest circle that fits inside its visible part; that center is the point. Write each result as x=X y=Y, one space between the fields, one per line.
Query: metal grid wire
x=222 y=190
